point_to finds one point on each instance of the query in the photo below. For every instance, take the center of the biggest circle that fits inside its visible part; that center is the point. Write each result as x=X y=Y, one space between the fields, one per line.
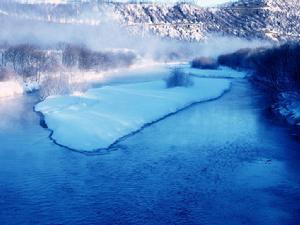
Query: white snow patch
x=222 y=72
x=150 y=72
x=10 y=88
x=96 y=119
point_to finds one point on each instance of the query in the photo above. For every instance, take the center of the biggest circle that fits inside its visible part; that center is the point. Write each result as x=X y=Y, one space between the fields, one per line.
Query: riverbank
x=275 y=70
x=285 y=105
x=80 y=80
x=288 y=107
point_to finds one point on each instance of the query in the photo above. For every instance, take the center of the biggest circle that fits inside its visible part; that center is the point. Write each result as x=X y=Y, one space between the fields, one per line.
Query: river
x=221 y=162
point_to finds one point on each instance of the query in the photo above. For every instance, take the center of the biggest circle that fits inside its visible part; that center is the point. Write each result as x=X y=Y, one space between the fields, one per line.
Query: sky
x=198 y=2
x=210 y=2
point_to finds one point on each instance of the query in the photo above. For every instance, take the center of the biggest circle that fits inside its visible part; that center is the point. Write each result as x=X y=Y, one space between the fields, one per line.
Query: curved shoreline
x=111 y=147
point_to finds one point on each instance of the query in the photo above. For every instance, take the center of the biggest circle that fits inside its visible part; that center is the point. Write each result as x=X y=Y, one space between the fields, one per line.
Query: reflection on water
x=220 y=162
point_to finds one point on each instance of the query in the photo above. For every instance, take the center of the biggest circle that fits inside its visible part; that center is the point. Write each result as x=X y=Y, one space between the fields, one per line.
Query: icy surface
x=99 y=117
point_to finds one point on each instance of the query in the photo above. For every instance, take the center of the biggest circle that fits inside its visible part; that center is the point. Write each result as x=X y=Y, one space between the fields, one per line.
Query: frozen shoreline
x=138 y=72
x=288 y=107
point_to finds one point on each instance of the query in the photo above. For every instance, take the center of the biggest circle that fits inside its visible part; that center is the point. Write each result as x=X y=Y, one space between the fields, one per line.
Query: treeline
x=29 y=61
x=86 y=59
x=26 y=61
x=205 y=63
x=277 y=67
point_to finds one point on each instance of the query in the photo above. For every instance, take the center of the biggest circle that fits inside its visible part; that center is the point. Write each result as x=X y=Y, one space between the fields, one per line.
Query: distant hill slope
x=269 y=19
x=276 y=20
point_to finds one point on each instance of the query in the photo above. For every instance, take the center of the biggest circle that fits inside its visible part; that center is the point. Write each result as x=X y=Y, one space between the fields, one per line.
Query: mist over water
x=111 y=35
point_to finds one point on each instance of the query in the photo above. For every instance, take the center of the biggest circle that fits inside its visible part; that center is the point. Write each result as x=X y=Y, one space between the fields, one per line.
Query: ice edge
x=113 y=146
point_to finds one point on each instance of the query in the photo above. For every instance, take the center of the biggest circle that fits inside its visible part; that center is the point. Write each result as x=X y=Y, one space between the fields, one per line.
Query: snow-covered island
x=100 y=117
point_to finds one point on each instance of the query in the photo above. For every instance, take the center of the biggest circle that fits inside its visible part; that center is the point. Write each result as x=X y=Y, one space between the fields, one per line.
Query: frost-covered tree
x=29 y=61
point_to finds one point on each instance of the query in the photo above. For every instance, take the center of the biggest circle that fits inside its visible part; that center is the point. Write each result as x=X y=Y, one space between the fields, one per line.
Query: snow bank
x=291 y=112
x=10 y=88
x=101 y=116
x=134 y=73
x=151 y=72
x=222 y=72
x=139 y=73
x=288 y=107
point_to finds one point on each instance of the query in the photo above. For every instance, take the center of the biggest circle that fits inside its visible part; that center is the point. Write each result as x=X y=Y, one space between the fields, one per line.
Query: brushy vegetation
x=277 y=67
x=6 y=74
x=205 y=63
x=55 y=85
x=86 y=59
x=235 y=60
x=50 y=70
x=178 y=78
x=28 y=61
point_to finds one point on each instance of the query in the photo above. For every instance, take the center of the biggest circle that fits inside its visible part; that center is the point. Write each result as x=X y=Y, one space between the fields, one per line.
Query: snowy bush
x=86 y=59
x=6 y=74
x=28 y=61
x=178 y=78
x=70 y=56
x=205 y=63
x=55 y=85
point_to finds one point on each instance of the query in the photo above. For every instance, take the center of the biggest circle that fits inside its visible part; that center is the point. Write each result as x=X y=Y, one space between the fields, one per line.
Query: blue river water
x=222 y=162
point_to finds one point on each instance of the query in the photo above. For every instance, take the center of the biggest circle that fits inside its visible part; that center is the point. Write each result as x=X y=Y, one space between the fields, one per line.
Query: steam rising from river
x=110 y=35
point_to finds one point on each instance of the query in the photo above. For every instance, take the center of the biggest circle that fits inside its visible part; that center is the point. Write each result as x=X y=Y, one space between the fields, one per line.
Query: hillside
x=263 y=19
x=269 y=19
